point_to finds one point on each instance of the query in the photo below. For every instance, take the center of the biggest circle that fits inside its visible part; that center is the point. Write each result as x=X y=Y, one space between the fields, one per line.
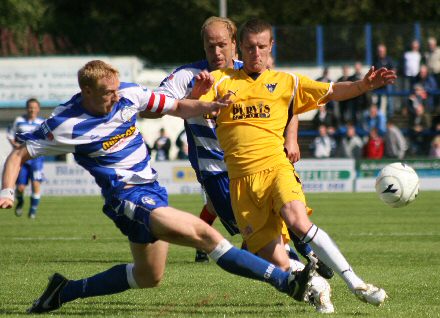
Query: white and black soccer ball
x=397 y=184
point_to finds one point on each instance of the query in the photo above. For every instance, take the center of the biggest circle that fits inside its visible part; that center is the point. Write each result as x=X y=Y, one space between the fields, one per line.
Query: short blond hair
x=93 y=71
x=230 y=26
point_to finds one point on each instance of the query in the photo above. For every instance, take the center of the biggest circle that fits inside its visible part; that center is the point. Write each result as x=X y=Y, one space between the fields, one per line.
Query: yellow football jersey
x=250 y=129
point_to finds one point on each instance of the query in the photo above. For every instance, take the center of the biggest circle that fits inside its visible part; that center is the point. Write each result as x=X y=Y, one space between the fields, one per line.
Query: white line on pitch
x=395 y=234
x=60 y=238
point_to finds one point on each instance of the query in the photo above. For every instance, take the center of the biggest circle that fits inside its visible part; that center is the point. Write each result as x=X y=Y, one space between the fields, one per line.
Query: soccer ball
x=397 y=184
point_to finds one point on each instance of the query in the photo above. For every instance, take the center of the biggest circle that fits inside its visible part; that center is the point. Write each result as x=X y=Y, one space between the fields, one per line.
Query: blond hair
x=230 y=26
x=93 y=71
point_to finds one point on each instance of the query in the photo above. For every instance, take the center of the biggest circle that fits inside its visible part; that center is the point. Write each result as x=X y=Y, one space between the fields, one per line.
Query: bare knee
x=207 y=237
x=21 y=187
x=146 y=279
x=294 y=214
x=275 y=253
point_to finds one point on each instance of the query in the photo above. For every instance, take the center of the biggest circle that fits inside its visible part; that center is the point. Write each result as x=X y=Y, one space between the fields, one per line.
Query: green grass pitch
x=397 y=249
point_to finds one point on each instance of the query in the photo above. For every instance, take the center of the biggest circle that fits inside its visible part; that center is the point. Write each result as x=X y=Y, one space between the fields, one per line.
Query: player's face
x=32 y=110
x=219 y=48
x=99 y=100
x=255 y=50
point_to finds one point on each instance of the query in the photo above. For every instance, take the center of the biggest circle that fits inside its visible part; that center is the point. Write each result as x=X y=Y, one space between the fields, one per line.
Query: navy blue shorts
x=31 y=170
x=217 y=189
x=130 y=210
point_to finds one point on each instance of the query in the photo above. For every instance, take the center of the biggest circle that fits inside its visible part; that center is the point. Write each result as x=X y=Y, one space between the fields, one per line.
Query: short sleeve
x=177 y=84
x=145 y=99
x=43 y=142
x=12 y=130
x=309 y=94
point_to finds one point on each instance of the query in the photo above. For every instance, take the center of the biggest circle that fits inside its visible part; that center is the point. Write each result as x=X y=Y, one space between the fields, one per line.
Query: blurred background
x=44 y=42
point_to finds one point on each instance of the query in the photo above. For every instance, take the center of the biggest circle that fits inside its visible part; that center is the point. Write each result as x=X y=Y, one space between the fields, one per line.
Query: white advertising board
x=331 y=175
x=326 y=175
x=52 y=80
x=367 y=184
x=62 y=179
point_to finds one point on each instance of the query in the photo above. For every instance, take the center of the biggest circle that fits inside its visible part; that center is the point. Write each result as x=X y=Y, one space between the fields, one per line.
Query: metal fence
x=338 y=44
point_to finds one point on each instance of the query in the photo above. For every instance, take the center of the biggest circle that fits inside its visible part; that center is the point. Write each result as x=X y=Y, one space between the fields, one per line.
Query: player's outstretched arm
x=150 y=115
x=372 y=80
x=10 y=173
x=187 y=108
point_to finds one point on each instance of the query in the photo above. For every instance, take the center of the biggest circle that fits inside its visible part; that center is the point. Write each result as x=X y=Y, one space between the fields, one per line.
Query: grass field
x=397 y=249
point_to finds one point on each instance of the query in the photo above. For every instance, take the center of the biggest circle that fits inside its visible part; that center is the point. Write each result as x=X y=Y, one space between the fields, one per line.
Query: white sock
x=220 y=249
x=329 y=253
x=130 y=277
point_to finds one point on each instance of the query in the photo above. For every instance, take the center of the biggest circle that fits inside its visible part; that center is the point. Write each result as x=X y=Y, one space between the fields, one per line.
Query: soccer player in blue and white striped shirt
x=98 y=126
x=32 y=169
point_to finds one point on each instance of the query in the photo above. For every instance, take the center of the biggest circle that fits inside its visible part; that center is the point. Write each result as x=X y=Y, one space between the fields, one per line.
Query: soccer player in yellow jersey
x=264 y=190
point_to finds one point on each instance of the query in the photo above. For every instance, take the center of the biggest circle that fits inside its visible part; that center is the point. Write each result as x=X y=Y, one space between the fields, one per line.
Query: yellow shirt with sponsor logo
x=250 y=129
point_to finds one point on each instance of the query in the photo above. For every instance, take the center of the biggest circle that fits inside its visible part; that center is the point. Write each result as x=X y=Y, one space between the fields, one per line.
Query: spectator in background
x=383 y=60
x=182 y=145
x=374 y=147
x=418 y=97
x=323 y=146
x=326 y=79
x=395 y=143
x=373 y=118
x=434 y=151
x=436 y=124
x=327 y=118
x=432 y=57
x=358 y=104
x=162 y=146
x=429 y=84
x=351 y=144
x=32 y=170
x=344 y=106
x=411 y=64
x=418 y=127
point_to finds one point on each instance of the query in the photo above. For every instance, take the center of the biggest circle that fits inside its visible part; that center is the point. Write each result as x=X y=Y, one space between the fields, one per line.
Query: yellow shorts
x=257 y=200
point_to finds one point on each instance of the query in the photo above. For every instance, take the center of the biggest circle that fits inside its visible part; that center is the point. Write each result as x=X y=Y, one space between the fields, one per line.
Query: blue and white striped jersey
x=23 y=125
x=110 y=147
x=205 y=154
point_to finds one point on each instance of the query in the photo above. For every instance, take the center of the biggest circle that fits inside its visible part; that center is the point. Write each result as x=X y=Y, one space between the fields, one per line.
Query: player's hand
x=6 y=203
x=292 y=152
x=378 y=78
x=222 y=102
x=204 y=82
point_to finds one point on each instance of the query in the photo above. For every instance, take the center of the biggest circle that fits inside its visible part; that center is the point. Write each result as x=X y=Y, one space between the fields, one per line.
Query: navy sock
x=112 y=281
x=20 y=198
x=303 y=248
x=35 y=200
x=243 y=263
x=292 y=254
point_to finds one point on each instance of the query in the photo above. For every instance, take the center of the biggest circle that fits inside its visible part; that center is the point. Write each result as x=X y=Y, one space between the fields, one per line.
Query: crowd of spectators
x=396 y=121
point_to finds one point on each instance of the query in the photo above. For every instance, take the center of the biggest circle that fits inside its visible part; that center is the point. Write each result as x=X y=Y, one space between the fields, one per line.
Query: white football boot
x=371 y=294
x=318 y=293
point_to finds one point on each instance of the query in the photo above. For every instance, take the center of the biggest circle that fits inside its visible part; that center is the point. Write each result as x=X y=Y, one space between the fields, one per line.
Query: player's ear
x=86 y=90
